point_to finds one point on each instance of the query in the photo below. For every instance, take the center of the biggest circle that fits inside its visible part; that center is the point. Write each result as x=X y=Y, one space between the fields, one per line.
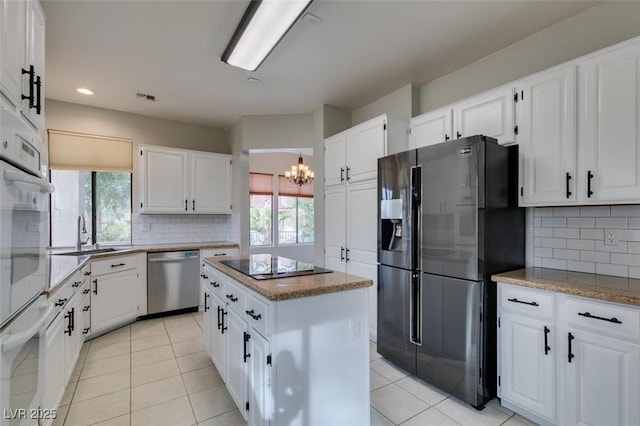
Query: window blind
x=287 y=188
x=79 y=151
x=260 y=184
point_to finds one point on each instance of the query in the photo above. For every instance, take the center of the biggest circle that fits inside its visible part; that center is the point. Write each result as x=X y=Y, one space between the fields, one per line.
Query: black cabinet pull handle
x=588 y=315
x=546 y=340
x=524 y=303
x=86 y=274
x=60 y=302
x=220 y=254
x=446 y=137
x=341 y=254
x=194 y=205
x=219 y=321
x=116 y=265
x=348 y=170
x=347 y=256
x=206 y=296
x=570 y=338
x=230 y=297
x=568 y=178
x=341 y=174
x=185 y=205
x=458 y=135
x=253 y=315
x=86 y=308
x=223 y=326
x=32 y=73
x=206 y=277
x=246 y=355
x=589 y=177
x=76 y=284
x=86 y=291
x=95 y=290
x=38 y=105
x=73 y=319
x=85 y=331
x=215 y=284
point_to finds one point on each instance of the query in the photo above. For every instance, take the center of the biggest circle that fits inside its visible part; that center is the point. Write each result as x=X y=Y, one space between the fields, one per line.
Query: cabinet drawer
x=113 y=264
x=219 y=252
x=85 y=272
x=525 y=300
x=217 y=282
x=602 y=317
x=257 y=315
x=234 y=297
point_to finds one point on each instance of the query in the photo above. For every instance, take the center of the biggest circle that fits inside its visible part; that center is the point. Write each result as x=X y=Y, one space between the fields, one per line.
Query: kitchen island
x=292 y=350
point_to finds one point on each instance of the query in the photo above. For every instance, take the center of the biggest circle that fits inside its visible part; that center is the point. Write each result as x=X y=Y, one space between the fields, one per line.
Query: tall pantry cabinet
x=351 y=211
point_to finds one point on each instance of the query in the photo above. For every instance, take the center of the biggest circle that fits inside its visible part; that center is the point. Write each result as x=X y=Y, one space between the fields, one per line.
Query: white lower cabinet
x=55 y=380
x=322 y=377
x=580 y=366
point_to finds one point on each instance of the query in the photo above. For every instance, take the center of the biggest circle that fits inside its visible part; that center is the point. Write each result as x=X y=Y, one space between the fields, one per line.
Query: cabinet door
x=489 y=114
x=55 y=380
x=335 y=227
x=219 y=333
x=431 y=128
x=165 y=181
x=612 y=126
x=526 y=369
x=602 y=381
x=207 y=314
x=237 y=348
x=11 y=49
x=72 y=334
x=260 y=399
x=334 y=160
x=113 y=299
x=34 y=55
x=365 y=143
x=361 y=222
x=210 y=183
x=546 y=118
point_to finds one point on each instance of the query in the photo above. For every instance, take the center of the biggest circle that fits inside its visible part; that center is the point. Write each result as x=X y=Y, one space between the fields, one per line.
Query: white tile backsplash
x=572 y=238
x=158 y=229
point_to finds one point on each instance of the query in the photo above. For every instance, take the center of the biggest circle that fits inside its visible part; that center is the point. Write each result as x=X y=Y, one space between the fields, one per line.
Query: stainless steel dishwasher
x=172 y=281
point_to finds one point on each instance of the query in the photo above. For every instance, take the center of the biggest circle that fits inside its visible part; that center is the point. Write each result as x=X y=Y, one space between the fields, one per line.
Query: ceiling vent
x=146 y=97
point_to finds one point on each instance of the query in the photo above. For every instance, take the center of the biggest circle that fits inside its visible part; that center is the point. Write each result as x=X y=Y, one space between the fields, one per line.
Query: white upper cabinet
x=12 y=42
x=490 y=114
x=184 y=182
x=334 y=159
x=433 y=127
x=611 y=150
x=33 y=80
x=546 y=117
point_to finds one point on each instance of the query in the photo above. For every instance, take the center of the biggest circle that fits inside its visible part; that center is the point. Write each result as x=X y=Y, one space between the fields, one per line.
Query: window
x=92 y=177
x=260 y=209
x=103 y=198
x=295 y=213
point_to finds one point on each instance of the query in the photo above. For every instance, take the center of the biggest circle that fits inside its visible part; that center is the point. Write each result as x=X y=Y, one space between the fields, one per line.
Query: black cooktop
x=267 y=267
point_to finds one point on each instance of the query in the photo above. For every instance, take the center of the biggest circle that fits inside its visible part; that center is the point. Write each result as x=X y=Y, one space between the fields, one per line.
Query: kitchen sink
x=91 y=251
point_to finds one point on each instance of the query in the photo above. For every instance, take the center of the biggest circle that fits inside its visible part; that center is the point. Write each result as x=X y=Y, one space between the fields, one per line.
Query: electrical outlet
x=611 y=237
x=354 y=329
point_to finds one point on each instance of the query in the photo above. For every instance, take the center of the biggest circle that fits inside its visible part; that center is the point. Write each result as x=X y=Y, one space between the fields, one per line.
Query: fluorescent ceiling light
x=262 y=26
x=84 y=91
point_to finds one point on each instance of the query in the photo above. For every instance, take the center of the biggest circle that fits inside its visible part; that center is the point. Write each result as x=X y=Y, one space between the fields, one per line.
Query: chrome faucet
x=82 y=229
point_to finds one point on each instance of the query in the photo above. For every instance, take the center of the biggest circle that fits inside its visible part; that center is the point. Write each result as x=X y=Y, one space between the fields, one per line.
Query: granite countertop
x=60 y=267
x=294 y=287
x=602 y=287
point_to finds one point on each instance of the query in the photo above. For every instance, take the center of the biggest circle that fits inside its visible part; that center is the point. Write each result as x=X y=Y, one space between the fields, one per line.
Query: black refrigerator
x=447 y=220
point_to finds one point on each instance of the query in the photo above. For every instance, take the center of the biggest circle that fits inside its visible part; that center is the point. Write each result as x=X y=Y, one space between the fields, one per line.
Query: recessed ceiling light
x=84 y=91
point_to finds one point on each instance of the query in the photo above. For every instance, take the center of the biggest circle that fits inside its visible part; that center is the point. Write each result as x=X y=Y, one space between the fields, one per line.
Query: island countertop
x=293 y=287
x=602 y=287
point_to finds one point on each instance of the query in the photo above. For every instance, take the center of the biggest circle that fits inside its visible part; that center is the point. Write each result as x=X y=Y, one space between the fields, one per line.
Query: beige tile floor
x=156 y=372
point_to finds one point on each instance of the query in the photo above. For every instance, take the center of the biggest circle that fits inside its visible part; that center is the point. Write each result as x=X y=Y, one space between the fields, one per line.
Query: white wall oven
x=23 y=217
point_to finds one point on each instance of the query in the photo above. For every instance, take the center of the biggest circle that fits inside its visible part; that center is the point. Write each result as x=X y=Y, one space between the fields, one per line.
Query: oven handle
x=16 y=340
x=14 y=176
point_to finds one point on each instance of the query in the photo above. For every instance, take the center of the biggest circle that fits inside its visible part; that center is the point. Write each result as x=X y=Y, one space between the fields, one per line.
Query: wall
x=600 y=26
x=402 y=103
x=152 y=131
x=573 y=238
x=276 y=164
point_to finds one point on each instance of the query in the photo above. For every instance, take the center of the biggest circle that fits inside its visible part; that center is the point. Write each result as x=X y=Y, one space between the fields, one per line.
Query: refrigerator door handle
x=415 y=310
x=416 y=214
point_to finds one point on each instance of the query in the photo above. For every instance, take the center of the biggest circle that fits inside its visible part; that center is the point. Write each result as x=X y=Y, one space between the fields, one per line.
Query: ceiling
x=360 y=51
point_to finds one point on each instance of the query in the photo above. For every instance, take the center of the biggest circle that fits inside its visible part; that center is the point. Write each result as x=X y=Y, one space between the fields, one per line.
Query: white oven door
x=23 y=238
x=22 y=364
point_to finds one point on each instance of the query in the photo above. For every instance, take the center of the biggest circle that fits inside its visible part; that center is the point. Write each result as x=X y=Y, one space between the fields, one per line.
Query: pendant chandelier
x=299 y=173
